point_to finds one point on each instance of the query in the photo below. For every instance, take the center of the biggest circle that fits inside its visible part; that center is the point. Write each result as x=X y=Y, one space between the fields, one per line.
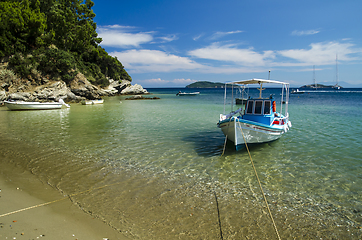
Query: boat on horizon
x=187 y=93
x=297 y=91
x=22 y=105
x=337 y=87
x=259 y=121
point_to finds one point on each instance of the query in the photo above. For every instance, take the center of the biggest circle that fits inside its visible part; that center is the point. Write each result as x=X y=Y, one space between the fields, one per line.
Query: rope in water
x=261 y=188
x=218 y=216
x=47 y=203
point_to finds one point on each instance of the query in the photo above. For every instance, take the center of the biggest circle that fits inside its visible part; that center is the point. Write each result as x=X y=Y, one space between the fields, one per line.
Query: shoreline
x=57 y=220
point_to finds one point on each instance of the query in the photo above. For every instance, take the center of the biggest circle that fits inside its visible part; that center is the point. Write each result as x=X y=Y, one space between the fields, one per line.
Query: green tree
x=57 y=38
x=22 y=26
x=70 y=24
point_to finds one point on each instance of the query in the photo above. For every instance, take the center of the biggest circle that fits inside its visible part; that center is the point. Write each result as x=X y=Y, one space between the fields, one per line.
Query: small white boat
x=92 y=102
x=21 y=105
x=297 y=92
x=259 y=121
x=187 y=94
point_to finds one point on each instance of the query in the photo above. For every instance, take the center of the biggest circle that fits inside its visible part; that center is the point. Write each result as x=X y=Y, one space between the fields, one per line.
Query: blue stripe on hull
x=239 y=147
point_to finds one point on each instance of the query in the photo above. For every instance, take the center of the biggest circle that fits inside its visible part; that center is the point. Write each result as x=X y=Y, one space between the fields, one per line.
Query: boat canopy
x=285 y=86
x=257 y=81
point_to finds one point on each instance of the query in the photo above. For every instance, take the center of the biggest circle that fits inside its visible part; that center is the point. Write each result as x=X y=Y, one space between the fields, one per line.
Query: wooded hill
x=206 y=84
x=57 y=39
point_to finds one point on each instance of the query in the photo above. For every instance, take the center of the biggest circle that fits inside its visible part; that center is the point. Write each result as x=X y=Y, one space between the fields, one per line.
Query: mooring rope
x=261 y=188
x=218 y=215
x=47 y=203
x=28 y=208
x=223 y=151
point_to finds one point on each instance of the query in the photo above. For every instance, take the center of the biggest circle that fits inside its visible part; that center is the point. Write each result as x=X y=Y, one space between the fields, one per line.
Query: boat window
x=258 y=107
x=267 y=107
x=249 y=109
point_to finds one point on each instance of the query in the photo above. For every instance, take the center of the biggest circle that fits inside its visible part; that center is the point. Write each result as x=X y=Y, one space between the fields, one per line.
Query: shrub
x=58 y=64
x=22 y=65
x=7 y=75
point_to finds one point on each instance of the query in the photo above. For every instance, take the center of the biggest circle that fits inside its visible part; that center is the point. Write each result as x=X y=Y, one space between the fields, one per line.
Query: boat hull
x=92 y=102
x=240 y=131
x=187 y=94
x=32 y=105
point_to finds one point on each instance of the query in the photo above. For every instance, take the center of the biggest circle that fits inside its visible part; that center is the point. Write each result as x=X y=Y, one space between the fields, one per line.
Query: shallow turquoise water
x=173 y=144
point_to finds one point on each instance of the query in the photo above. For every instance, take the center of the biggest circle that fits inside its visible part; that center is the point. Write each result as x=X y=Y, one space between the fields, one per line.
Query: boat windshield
x=267 y=107
x=250 y=107
x=258 y=107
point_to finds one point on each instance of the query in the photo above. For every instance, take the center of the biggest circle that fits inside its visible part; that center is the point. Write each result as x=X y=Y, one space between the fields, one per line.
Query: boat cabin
x=260 y=110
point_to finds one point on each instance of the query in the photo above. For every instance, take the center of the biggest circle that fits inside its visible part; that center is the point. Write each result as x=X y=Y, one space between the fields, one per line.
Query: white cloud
x=182 y=81
x=198 y=37
x=154 y=61
x=117 y=36
x=156 y=81
x=240 y=60
x=222 y=34
x=145 y=61
x=169 y=38
x=220 y=58
x=175 y=82
x=302 y=33
x=229 y=53
x=321 y=53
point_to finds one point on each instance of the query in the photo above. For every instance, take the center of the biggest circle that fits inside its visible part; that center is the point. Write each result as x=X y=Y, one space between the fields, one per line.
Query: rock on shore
x=79 y=89
x=140 y=97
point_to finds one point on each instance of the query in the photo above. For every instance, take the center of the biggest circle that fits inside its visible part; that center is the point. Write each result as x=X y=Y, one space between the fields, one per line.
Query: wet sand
x=57 y=220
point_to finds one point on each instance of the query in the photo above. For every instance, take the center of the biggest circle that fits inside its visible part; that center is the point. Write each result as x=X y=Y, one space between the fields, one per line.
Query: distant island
x=206 y=84
x=320 y=86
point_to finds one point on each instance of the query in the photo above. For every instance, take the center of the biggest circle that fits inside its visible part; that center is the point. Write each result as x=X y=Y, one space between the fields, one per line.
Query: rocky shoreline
x=79 y=89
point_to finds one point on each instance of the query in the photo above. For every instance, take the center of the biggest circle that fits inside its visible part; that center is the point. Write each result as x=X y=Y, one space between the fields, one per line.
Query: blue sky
x=174 y=43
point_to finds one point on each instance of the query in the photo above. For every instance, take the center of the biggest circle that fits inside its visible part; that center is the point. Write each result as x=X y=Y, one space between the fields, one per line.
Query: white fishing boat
x=187 y=93
x=259 y=121
x=92 y=102
x=21 y=105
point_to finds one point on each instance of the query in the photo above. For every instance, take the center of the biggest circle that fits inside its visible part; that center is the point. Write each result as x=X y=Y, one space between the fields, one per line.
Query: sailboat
x=337 y=87
x=315 y=84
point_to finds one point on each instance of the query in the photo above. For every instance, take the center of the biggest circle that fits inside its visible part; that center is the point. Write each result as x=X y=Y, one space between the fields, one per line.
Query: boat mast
x=225 y=97
x=315 y=84
x=260 y=89
x=336 y=70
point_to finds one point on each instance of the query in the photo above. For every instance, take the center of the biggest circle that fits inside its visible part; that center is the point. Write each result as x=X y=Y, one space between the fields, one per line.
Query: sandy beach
x=60 y=219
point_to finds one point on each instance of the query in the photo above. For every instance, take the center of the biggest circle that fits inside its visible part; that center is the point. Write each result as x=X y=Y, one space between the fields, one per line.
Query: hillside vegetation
x=56 y=39
x=206 y=84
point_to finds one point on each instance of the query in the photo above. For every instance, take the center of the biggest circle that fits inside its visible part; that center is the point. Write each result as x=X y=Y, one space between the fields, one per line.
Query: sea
x=157 y=169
